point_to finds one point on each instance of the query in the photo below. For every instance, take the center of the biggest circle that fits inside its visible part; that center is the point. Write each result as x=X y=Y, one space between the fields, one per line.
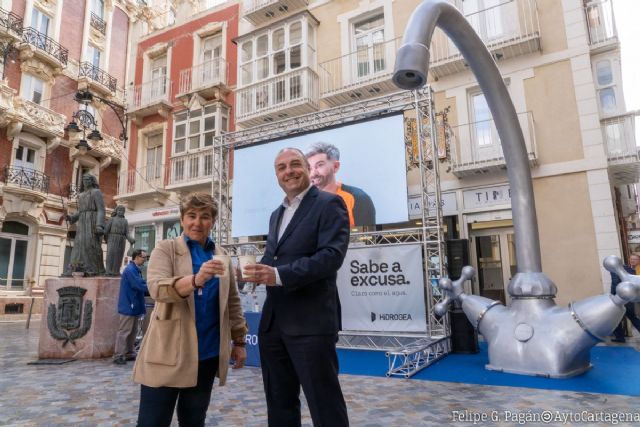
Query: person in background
x=130 y=307
x=307 y=242
x=197 y=325
x=630 y=312
x=324 y=161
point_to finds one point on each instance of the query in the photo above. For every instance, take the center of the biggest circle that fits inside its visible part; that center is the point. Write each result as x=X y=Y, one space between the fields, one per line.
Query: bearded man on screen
x=324 y=161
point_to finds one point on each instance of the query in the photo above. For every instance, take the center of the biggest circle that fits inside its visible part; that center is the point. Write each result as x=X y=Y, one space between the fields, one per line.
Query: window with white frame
x=158 y=77
x=368 y=41
x=97 y=7
x=14 y=241
x=25 y=158
x=194 y=131
x=277 y=51
x=40 y=21
x=93 y=55
x=32 y=88
x=154 y=157
x=212 y=67
x=485 y=143
x=28 y=162
x=606 y=86
x=490 y=18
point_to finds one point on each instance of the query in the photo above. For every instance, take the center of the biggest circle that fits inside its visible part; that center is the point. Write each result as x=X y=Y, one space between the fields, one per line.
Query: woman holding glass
x=197 y=324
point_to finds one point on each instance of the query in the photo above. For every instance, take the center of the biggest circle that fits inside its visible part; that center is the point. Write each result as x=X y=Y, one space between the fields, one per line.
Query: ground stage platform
x=615 y=370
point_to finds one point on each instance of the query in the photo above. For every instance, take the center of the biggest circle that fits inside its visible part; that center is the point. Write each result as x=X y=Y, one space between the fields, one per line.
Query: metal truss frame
x=408 y=353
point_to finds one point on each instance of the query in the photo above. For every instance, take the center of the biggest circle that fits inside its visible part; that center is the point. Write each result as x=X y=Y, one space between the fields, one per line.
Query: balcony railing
x=46 y=44
x=191 y=167
x=151 y=92
x=205 y=75
x=620 y=137
x=98 y=75
x=278 y=93
x=10 y=22
x=600 y=22
x=98 y=23
x=476 y=148
x=142 y=180
x=74 y=191
x=26 y=178
x=364 y=68
x=509 y=28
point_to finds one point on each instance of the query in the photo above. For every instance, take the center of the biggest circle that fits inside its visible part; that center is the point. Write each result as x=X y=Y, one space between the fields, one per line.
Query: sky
x=627 y=14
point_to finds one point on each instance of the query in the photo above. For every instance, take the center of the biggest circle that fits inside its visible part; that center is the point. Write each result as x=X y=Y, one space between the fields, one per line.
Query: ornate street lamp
x=87 y=121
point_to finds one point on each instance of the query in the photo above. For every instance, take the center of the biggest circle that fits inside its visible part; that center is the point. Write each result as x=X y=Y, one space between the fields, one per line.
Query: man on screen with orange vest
x=324 y=161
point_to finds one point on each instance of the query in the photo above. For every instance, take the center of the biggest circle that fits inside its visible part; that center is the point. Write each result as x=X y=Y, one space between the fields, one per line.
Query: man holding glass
x=307 y=242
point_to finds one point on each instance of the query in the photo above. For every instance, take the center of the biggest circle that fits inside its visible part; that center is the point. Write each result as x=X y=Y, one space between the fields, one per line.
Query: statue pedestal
x=79 y=318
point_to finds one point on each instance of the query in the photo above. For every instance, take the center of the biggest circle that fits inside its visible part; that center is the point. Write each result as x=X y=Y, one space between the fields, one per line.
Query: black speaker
x=457 y=257
x=464 y=337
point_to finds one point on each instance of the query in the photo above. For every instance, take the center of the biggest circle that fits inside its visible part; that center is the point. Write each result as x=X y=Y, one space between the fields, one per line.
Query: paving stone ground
x=99 y=393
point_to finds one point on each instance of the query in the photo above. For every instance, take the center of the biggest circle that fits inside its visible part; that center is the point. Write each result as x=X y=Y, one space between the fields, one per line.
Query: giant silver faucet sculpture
x=532 y=336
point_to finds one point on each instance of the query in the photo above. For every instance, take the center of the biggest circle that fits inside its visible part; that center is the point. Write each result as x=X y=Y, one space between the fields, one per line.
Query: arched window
x=13 y=255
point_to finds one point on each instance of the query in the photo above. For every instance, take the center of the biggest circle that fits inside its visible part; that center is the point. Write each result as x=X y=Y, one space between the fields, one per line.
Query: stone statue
x=116 y=233
x=86 y=254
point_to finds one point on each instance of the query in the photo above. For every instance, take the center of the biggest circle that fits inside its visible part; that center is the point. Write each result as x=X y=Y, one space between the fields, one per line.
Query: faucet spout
x=411 y=68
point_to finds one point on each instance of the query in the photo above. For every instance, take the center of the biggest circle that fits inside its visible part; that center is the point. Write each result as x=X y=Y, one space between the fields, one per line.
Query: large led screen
x=372 y=171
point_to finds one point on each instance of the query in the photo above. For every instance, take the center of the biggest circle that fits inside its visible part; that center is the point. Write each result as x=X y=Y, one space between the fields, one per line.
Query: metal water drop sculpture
x=531 y=336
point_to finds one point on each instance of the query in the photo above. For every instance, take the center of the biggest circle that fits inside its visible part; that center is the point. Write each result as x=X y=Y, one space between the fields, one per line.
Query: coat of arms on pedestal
x=63 y=321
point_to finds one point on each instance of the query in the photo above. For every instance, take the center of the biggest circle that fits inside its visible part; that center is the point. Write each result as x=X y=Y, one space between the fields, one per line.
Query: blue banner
x=253 y=353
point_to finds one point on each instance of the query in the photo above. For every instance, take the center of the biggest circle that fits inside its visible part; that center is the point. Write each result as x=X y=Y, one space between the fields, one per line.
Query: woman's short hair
x=198 y=200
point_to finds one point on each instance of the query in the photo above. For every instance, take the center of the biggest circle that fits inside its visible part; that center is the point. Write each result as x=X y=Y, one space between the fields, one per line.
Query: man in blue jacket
x=130 y=307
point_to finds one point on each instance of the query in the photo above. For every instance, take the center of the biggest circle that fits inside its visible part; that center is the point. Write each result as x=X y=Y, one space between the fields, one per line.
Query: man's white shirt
x=289 y=211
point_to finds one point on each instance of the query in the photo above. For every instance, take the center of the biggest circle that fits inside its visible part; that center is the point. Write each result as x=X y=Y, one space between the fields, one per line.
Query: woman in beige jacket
x=196 y=326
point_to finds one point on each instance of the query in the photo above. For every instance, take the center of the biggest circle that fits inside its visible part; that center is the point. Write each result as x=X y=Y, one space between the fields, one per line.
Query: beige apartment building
x=560 y=61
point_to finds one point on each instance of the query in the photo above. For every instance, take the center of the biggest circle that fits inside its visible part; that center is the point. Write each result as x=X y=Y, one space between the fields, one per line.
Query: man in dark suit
x=307 y=242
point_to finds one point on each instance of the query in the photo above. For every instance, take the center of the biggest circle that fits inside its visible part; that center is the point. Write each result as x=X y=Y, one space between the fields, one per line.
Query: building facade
x=284 y=58
x=561 y=64
x=51 y=50
x=179 y=98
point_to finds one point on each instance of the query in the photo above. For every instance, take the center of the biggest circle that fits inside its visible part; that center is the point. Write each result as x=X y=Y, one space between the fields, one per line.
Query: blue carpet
x=615 y=371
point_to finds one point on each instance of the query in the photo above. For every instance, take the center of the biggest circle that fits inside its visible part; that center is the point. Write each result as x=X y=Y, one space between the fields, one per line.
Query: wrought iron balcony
x=510 y=28
x=26 y=178
x=45 y=44
x=142 y=180
x=619 y=134
x=292 y=93
x=475 y=147
x=260 y=11
x=361 y=74
x=10 y=24
x=98 y=75
x=98 y=23
x=193 y=168
x=600 y=22
x=74 y=191
x=204 y=78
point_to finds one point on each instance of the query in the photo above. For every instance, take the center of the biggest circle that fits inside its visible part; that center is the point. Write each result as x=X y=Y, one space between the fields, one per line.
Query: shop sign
x=489 y=196
x=633 y=236
x=448 y=203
